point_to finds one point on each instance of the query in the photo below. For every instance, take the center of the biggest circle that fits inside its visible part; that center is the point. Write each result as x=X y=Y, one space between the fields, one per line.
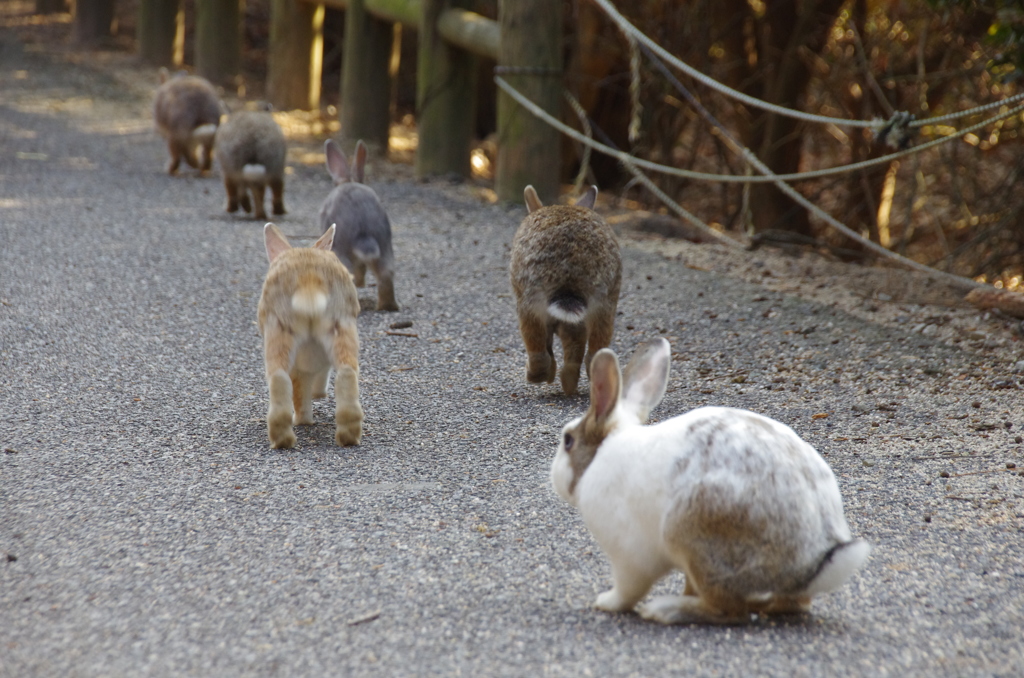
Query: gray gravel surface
x=147 y=529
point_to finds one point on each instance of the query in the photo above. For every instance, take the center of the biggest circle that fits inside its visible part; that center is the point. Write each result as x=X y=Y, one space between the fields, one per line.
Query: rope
x=629 y=29
x=796 y=196
x=736 y=178
x=651 y=186
x=585 y=124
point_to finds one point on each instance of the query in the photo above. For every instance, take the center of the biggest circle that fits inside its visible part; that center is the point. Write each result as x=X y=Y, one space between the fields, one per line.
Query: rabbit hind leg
x=277 y=191
x=258 y=191
x=233 y=189
x=574 y=346
x=277 y=349
x=302 y=396
x=175 y=149
x=539 y=339
x=385 y=287
x=348 y=413
x=600 y=328
x=700 y=609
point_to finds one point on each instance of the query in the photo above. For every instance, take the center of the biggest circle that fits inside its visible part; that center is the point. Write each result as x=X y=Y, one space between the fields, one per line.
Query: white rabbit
x=738 y=502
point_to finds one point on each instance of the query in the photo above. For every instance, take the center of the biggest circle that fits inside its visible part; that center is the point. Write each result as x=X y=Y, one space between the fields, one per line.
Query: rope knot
x=896 y=132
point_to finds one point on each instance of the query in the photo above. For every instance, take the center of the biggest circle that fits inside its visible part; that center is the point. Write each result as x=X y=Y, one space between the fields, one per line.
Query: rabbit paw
x=540 y=368
x=348 y=426
x=347 y=434
x=281 y=432
x=611 y=601
x=686 y=610
x=570 y=377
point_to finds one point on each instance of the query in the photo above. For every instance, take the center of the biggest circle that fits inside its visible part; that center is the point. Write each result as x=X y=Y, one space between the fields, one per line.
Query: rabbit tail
x=204 y=133
x=254 y=173
x=568 y=307
x=309 y=301
x=366 y=249
x=838 y=564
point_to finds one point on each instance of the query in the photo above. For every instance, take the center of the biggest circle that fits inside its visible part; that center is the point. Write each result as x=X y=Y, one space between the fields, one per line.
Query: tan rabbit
x=187 y=111
x=251 y=152
x=307 y=316
x=566 y=272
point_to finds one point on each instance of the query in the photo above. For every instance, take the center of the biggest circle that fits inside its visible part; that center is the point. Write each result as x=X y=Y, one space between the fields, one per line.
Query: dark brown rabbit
x=251 y=152
x=566 y=272
x=187 y=110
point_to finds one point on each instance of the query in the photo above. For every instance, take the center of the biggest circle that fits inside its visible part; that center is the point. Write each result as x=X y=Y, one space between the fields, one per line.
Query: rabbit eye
x=569 y=440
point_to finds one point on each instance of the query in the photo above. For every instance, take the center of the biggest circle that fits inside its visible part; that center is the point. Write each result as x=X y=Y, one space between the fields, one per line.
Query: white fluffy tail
x=568 y=307
x=254 y=173
x=204 y=133
x=309 y=302
x=838 y=565
x=366 y=249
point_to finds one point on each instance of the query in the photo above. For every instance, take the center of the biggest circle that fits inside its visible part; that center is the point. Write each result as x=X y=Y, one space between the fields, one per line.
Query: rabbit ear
x=605 y=385
x=360 y=161
x=337 y=163
x=533 y=203
x=588 y=199
x=275 y=242
x=325 y=241
x=646 y=377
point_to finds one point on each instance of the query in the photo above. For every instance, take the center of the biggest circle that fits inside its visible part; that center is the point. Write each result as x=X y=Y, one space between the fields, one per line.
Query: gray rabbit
x=566 y=273
x=363 y=237
x=251 y=151
x=186 y=110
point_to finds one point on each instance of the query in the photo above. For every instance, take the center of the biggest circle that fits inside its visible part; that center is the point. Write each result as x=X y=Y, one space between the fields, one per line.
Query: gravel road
x=147 y=530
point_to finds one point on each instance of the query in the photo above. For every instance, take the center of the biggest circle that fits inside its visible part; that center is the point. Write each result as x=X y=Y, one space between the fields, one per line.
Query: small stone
x=11 y=558
x=1018 y=366
x=1010 y=464
x=927 y=519
x=976 y=404
x=944 y=474
x=1018 y=439
x=930 y=330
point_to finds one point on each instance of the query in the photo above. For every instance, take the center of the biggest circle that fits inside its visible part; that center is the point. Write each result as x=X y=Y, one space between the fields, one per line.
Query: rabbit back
x=307 y=291
x=363 y=228
x=566 y=256
x=184 y=103
x=251 y=138
x=734 y=499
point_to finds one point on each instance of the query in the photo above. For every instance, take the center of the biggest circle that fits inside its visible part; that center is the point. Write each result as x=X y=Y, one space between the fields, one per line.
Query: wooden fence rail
x=451 y=38
x=525 y=42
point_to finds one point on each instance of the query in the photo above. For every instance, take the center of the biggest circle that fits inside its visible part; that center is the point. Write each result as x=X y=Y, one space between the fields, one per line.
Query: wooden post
x=93 y=20
x=160 y=32
x=528 y=149
x=445 y=98
x=295 y=60
x=219 y=40
x=51 y=6
x=365 y=78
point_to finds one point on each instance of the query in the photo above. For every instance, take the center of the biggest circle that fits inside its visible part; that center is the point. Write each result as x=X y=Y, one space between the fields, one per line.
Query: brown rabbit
x=307 y=316
x=566 y=272
x=187 y=111
x=251 y=152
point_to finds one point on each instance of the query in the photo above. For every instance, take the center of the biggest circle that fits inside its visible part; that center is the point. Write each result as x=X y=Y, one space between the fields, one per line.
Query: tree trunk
x=775 y=72
x=160 y=32
x=219 y=40
x=366 y=80
x=93 y=21
x=51 y=6
x=295 y=61
x=529 y=150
